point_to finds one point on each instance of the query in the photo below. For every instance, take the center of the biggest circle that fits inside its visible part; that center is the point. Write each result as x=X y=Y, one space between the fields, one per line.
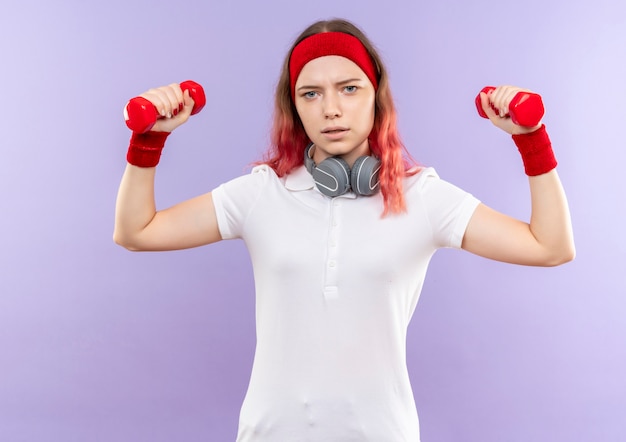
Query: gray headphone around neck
x=333 y=176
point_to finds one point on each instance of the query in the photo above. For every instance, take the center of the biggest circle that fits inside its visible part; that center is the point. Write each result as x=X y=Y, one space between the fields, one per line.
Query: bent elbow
x=569 y=256
x=563 y=257
x=124 y=241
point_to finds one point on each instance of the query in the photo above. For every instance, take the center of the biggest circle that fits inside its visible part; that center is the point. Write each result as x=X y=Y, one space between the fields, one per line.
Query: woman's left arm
x=547 y=240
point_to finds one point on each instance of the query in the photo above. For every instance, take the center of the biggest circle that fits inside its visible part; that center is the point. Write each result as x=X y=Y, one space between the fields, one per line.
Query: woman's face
x=335 y=101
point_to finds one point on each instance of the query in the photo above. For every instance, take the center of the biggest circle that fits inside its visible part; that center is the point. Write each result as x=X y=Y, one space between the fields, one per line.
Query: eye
x=350 y=89
x=309 y=94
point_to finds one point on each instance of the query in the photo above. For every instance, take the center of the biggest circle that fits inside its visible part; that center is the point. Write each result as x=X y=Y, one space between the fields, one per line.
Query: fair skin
x=547 y=240
x=138 y=225
x=335 y=102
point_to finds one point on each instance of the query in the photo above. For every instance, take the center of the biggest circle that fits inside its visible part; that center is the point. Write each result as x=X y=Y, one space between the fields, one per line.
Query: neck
x=350 y=157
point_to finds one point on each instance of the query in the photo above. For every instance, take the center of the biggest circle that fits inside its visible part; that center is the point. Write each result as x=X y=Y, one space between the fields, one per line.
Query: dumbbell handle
x=525 y=109
x=140 y=114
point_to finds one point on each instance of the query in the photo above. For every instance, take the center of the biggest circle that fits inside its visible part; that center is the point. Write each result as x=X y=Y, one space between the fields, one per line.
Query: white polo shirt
x=336 y=286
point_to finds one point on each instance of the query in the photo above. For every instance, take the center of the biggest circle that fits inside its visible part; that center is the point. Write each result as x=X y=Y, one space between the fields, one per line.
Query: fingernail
x=175 y=112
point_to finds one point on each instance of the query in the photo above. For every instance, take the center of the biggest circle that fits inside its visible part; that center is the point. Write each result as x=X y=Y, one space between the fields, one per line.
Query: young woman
x=338 y=273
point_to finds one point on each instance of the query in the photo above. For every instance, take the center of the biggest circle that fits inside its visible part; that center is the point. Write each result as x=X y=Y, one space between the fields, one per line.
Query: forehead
x=329 y=67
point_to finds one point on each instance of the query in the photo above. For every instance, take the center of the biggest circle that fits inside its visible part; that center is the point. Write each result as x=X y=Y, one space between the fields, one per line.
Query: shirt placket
x=331 y=280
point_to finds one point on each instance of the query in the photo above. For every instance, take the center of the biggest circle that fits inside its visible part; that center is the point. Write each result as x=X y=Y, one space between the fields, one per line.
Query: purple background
x=100 y=344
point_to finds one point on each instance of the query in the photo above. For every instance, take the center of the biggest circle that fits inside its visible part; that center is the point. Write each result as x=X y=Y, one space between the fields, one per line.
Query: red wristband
x=536 y=151
x=145 y=149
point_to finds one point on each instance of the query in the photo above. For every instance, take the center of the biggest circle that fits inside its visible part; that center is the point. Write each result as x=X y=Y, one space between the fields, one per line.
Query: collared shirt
x=336 y=286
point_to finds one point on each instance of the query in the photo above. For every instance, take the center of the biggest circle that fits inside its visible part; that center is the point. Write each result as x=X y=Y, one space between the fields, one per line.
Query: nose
x=331 y=106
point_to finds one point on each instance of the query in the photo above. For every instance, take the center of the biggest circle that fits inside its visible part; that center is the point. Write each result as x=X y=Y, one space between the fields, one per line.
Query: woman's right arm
x=138 y=225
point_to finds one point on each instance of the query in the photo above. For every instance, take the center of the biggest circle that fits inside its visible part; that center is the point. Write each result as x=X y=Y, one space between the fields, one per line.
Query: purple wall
x=100 y=344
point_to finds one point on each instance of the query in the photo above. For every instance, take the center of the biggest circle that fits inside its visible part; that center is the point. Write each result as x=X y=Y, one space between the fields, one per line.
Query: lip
x=334 y=129
x=334 y=132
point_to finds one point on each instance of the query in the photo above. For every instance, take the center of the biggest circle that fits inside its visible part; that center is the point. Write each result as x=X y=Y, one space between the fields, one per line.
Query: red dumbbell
x=140 y=114
x=525 y=109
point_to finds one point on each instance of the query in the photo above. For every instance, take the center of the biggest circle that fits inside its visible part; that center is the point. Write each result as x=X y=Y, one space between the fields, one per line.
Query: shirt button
x=331 y=263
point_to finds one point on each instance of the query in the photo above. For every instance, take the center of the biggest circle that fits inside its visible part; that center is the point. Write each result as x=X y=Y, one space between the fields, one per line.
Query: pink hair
x=288 y=138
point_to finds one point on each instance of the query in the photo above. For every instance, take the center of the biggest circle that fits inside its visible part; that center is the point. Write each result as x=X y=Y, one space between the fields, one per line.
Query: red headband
x=330 y=43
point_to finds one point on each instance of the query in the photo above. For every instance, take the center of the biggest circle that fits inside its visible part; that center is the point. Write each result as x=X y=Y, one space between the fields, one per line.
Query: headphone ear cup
x=332 y=176
x=364 y=176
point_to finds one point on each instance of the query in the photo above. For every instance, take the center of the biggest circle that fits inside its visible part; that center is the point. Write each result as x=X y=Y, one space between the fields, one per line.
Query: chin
x=341 y=147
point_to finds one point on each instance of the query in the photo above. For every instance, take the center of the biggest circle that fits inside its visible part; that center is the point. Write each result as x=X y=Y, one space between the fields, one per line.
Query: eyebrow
x=339 y=83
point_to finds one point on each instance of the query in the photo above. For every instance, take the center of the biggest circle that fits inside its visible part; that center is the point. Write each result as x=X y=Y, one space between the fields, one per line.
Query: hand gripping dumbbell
x=140 y=114
x=526 y=108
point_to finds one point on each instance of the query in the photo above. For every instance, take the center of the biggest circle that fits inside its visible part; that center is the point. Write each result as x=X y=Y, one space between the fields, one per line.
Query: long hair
x=288 y=138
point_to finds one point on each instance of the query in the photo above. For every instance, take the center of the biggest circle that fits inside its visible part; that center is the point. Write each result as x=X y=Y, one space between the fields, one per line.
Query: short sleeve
x=449 y=208
x=235 y=199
